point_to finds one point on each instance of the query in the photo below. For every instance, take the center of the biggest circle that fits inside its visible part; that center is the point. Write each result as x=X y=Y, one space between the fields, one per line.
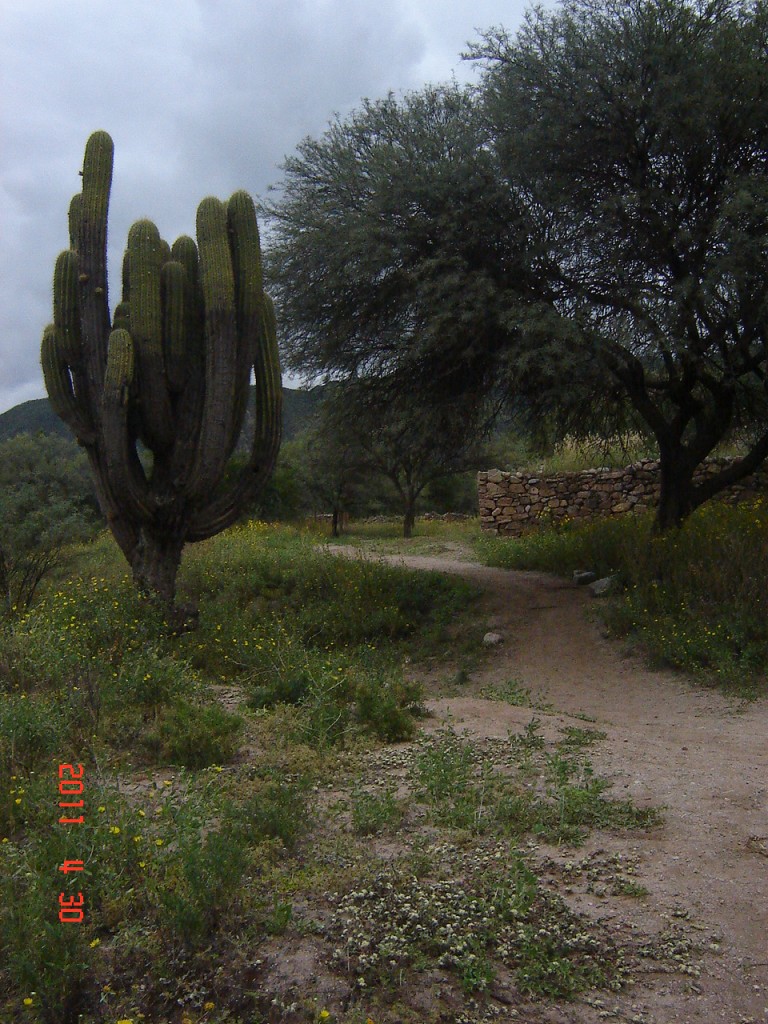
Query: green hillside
x=31 y=418
x=37 y=415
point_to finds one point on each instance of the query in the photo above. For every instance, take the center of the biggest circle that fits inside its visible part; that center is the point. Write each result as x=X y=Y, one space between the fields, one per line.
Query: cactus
x=169 y=374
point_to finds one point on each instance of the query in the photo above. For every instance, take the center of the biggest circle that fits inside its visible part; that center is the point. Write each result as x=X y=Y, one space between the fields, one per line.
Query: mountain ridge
x=37 y=416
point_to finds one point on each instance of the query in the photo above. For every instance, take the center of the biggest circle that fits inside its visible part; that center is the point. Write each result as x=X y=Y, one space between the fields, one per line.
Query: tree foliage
x=46 y=494
x=46 y=500
x=328 y=463
x=636 y=135
x=586 y=235
x=391 y=252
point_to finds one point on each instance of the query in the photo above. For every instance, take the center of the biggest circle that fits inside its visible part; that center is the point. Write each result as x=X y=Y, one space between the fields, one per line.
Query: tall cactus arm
x=58 y=381
x=218 y=287
x=92 y=252
x=128 y=483
x=246 y=264
x=173 y=286
x=224 y=510
x=75 y=216
x=184 y=251
x=145 y=258
x=269 y=397
x=188 y=404
x=66 y=317
x=66 y=306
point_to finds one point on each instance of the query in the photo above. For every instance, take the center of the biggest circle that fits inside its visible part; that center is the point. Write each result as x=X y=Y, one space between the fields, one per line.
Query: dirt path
x=703 y=758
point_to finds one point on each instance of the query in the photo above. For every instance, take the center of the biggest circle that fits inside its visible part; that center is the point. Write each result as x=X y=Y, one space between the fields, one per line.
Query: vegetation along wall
x=512 y=502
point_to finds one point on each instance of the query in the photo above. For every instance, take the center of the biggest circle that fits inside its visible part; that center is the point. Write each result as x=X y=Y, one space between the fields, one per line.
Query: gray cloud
x=201 y=97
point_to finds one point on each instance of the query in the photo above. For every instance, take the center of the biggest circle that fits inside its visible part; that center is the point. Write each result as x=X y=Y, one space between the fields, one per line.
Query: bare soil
x=700 y=756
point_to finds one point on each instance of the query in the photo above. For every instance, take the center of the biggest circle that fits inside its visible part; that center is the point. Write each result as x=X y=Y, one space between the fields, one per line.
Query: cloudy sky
x=201 y=97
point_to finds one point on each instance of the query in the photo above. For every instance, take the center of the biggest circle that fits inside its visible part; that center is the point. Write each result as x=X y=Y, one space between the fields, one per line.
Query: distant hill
x=298 y=409
x=37 y=415
x=32 y=418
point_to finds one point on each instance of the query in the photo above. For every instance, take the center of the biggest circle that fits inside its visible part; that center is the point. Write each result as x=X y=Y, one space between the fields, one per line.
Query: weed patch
x=494 y=915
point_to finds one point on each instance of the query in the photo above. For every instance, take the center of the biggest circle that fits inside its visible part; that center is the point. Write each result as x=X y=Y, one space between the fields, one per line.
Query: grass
x=430 y=538
x=466 y=791
x=695 y=597
x=574 y=454
x=309 y=813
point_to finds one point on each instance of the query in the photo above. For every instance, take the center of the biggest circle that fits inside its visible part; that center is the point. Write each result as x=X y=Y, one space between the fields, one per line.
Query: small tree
x=157 y=395
x=330 y=466
x=409 y=445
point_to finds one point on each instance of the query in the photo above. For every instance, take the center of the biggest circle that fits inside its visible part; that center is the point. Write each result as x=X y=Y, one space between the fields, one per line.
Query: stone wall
x=513 y=502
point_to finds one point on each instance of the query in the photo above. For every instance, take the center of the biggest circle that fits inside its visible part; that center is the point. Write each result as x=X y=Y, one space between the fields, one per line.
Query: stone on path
x=492 y=639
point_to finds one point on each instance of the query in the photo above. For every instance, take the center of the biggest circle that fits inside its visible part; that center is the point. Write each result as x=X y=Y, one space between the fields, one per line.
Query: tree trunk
x=335 y=523
x=408 y=521
x=676 y=498
x=155 y=562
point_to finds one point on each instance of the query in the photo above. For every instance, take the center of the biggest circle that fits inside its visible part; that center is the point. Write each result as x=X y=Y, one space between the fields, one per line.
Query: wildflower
x=95 y=943
x=159 y=842
x=28 y=1001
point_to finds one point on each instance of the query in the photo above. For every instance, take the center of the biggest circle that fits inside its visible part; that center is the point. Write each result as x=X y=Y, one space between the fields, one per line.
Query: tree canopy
x=586 y=234
x=393 y=246
x=636 y=135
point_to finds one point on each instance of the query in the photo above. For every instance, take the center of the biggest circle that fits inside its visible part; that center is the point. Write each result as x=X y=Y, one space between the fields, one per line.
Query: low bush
x=192 y=735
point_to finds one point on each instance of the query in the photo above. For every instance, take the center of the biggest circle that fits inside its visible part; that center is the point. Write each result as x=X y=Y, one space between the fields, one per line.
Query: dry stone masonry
x=513 y=502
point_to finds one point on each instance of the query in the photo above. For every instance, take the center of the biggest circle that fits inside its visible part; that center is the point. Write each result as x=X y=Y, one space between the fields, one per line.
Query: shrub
x=192 y=735
x=387 y=706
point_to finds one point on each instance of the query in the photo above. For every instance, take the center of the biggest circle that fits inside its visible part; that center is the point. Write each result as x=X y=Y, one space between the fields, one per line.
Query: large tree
x=635 y=135
x=589 y=238
x=393 y=247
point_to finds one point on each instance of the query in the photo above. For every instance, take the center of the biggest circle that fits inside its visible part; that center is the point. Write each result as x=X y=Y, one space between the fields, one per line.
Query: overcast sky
x=201 y=97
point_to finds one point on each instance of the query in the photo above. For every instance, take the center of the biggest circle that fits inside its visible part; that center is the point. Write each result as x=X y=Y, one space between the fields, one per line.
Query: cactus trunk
x=156 y=560
x=169 y=375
